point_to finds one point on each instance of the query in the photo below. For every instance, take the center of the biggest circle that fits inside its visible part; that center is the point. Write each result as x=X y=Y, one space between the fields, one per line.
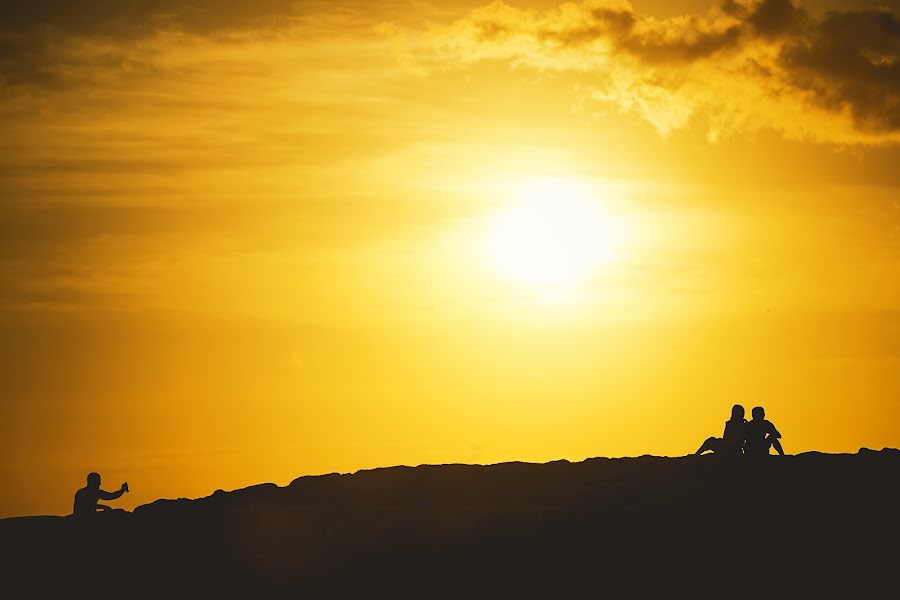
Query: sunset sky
x=242 y=242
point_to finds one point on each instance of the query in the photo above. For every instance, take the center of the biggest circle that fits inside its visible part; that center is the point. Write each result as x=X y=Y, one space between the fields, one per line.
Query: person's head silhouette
x=759 y=413
x=737 y=412
x=93 y=480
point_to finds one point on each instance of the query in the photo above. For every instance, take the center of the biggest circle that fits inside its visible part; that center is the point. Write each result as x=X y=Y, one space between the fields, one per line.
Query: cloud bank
x=742 y=66
x=745 y=65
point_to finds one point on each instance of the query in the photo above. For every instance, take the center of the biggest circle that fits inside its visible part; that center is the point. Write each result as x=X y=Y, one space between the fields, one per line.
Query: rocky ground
x=805 y=525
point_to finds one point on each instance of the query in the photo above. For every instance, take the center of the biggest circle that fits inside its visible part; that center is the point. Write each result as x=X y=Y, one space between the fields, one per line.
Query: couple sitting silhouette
x=753 y=438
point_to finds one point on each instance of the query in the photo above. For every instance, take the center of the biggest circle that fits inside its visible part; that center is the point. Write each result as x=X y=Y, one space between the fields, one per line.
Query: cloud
x=57 y=43
x=745 y=65
x=775 y=17
x=137 y=18
x=850 y=60
x=684 y=39
x=39 y=40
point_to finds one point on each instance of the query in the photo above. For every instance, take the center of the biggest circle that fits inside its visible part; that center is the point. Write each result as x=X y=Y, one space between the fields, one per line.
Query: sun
x=553 y=235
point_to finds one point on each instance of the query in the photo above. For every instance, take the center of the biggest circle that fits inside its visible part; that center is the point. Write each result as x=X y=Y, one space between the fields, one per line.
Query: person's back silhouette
x=732 y=440
x=86 y=499
x=762 y=435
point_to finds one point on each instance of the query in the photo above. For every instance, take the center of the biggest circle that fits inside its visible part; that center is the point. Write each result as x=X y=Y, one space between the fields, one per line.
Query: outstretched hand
x=125 y=486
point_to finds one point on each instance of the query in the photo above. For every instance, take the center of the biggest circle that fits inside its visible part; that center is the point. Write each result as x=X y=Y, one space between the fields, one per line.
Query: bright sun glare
x=553 y=235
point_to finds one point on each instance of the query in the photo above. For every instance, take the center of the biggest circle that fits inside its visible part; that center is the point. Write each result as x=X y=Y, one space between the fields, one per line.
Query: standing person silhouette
x=762 y=435
x=87 y=497
x=732 y=440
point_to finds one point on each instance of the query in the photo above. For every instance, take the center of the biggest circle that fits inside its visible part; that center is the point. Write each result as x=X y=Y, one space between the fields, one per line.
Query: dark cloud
x=618 y=25
x=134 y=18
x=693 y=45
x=851 y=60
x=36 y=37
x=691 y=40
x=688 y=39
x=771 y=18
x=847 y=59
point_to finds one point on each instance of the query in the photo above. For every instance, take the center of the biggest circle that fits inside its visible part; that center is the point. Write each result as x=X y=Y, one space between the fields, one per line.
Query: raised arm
x=112 y=495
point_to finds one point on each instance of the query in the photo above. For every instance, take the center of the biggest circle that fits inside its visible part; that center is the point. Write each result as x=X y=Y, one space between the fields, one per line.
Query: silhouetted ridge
x=814 y=523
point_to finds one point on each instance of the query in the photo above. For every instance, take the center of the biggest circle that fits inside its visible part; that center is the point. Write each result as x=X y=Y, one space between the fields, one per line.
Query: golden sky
x=245 y=241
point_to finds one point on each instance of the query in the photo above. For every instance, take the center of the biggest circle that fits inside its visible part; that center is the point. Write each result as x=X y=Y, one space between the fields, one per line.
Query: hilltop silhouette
x=635 y=526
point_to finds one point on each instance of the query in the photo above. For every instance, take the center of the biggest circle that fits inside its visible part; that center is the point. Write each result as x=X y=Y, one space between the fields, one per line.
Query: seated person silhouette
x=732 y=440
x=86 y=498
x=761 y=435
